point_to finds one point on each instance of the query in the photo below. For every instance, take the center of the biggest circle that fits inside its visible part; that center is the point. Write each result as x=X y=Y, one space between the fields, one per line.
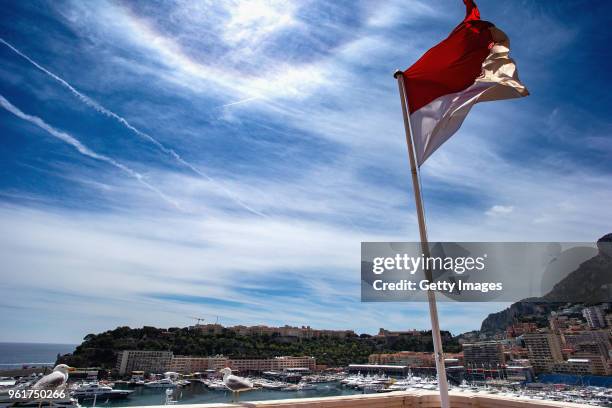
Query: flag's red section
x=452 y=65
x=471 y=11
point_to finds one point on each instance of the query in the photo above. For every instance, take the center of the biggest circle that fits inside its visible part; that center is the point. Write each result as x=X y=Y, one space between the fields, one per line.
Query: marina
x=200 y=393
x=172 y=390
x=214 y=391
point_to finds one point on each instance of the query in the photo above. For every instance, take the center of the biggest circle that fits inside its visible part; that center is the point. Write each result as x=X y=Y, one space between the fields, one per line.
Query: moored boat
x=163 y=383
x=88 y=391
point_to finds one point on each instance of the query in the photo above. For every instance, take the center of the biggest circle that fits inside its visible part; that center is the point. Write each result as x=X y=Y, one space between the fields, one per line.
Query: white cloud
x=391 y=13
x=499 y=210
x=312 y=236
x=251 y=22
x=79 y=272
x=166 y=56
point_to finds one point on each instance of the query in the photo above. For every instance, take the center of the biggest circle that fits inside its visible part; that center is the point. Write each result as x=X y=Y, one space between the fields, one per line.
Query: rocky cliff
x=590 y=283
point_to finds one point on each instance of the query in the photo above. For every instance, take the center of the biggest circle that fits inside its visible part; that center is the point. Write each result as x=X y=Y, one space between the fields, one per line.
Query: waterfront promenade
x=399 y=399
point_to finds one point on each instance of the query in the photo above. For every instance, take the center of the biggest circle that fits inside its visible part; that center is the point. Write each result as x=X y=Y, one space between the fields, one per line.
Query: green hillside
x=99 y=350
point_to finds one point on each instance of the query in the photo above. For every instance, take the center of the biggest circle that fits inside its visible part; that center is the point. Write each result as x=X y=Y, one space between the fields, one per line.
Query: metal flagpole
x=431 y=297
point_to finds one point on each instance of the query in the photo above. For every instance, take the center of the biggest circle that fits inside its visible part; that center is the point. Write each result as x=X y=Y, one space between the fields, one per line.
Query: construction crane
x=197 y=319
x=201 y=319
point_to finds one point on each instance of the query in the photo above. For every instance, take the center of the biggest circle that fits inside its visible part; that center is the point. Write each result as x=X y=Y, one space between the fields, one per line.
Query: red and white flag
x=470 y=66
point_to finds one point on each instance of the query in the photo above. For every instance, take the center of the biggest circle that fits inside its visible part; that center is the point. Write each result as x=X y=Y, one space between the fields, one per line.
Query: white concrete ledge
x=398 y=399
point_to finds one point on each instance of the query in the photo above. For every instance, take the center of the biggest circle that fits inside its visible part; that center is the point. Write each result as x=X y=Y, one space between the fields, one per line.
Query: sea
x=17 y=355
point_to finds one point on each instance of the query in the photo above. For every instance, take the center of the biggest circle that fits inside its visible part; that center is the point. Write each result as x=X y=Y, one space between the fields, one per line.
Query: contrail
x=81 y=148
x=101 y=109
x=252 y=98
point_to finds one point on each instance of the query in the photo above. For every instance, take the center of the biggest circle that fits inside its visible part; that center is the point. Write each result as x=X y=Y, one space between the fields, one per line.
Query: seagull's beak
x=71 y=369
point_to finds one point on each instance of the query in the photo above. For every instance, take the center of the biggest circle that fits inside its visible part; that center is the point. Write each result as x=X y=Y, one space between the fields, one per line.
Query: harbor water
x=198 y=393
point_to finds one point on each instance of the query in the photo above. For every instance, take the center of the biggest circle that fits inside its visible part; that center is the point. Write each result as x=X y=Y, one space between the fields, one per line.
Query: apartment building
x=273 y=364
x=483 y=354
x=573 y=339
x=544 y=350
x=519 y=329
x=595 y=316
x=285 y=362
x=413 y=359
x=139 y=360
x=597 y=354
x=515 y=352
x=559 y=323
x=406 y=358
x=250 y=365
x=599 y=365
x=519 y=370
x=194 y=364
x=575 y=366
x=187 y=364
x=161 y=361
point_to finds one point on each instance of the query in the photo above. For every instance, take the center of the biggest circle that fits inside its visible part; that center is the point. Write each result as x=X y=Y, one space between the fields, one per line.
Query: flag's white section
x=436 y=122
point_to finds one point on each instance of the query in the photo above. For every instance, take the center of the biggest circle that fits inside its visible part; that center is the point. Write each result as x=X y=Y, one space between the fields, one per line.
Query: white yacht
x=271 y=385
x=163 y=383
x=304 y=386
x=87 y=391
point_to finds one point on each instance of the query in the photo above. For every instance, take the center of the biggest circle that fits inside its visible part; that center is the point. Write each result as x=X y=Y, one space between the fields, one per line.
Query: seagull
x=234 y=383
x=55 y=380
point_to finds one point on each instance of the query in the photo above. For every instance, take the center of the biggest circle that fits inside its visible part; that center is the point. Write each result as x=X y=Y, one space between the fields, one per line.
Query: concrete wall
x=420 y=399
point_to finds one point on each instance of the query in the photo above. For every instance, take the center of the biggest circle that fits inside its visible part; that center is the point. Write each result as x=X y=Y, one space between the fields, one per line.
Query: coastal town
x=568 y=359
x=576 y=342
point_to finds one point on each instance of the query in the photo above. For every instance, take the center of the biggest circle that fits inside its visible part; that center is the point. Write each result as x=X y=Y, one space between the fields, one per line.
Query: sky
x=161 y=161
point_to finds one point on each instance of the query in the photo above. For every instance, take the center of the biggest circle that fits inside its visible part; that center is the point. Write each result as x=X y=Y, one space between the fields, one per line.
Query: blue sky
x=161 y=160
